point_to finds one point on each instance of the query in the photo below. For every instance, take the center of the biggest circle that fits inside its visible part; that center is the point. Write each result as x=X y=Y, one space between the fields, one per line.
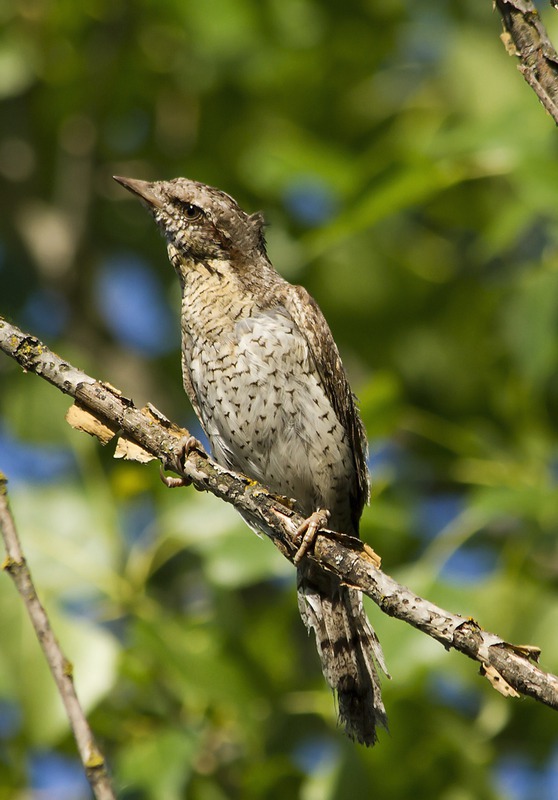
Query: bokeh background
x=410 y=182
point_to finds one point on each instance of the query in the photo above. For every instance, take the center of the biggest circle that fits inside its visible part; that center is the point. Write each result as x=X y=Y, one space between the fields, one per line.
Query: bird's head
x=199 y=222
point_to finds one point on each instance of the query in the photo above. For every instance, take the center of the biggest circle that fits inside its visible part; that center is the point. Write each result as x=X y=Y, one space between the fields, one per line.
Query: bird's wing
x=306 y=314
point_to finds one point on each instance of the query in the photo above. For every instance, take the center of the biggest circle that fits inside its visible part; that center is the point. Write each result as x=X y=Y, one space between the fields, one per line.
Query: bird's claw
x=187 y=444
x=309 y=530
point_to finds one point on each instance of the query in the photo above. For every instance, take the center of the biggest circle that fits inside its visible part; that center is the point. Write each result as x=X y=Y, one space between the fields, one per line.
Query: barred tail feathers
x=347 y=645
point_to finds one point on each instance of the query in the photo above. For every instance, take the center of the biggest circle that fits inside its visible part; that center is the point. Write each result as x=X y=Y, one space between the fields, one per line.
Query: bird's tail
x=347 y=646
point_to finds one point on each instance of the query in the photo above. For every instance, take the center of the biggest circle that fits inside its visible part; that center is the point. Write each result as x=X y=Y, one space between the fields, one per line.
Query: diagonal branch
x=510 y=669
x=525 y=37
x=15 y=565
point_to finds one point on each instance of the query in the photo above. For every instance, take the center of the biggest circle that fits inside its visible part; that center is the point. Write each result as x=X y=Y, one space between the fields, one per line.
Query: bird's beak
x=142 y=189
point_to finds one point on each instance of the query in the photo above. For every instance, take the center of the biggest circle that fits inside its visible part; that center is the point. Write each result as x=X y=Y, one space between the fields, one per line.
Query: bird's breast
x=266 y=412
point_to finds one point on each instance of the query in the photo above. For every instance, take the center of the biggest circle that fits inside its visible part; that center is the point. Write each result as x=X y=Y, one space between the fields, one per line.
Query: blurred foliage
x=410 y=181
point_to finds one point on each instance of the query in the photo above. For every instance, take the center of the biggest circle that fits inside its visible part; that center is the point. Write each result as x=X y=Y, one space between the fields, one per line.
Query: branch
x=103 y=411
x=15 y=565
x=525 y=37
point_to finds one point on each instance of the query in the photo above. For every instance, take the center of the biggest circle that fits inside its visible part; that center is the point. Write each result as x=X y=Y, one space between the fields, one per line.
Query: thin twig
x=509 y=668
x=525 y=37
x=15 y=565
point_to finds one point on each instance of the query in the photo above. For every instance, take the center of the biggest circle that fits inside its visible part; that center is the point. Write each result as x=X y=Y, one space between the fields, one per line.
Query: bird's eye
x=190 y=211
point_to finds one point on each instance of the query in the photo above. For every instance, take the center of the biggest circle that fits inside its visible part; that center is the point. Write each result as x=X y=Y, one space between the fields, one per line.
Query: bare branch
x=15 y=565
x=525 y=37
x=510 y=668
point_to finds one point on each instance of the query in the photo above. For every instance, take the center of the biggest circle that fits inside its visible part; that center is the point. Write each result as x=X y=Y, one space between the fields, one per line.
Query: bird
x=265 y=379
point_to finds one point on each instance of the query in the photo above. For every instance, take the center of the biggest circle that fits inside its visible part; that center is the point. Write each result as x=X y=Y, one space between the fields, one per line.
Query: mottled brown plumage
x=264 y=376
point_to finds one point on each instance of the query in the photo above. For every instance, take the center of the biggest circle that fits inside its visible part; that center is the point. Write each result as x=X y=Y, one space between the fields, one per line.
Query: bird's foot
x=187 y=444
x=309 y=530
